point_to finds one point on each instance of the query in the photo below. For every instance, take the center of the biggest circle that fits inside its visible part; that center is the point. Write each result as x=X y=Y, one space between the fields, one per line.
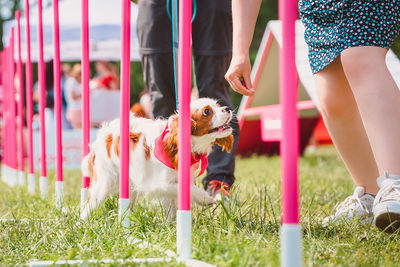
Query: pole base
x=184 y=234
x=123 y=212
x=59 y=194
x=43 y=184
x=84 y=196
x=291 y=245
x=21 y=178
x=13 y=177
x=31 y=183
x=3 y=172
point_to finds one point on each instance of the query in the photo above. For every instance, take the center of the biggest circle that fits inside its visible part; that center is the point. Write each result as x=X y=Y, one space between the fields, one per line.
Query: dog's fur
x=147 y=175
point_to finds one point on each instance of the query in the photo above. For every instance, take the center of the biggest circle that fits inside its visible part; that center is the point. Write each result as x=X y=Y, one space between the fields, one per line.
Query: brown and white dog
x=153 y=151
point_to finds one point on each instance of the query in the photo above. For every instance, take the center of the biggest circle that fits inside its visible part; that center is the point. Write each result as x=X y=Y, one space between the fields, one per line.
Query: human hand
x=238 y=75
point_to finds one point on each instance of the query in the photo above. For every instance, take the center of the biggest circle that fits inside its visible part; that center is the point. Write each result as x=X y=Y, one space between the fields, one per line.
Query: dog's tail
x=85 y=166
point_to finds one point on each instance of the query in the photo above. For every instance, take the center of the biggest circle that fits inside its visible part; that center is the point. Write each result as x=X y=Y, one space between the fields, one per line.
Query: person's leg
x=159 y=78
x=155 y=41
x=212 y=47
x=210 y=76
x=378 y=100
x=342 y=118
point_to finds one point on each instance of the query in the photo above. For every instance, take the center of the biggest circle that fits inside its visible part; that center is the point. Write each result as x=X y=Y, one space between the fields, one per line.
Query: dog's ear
x=171 y=144
x=193 y=125
x=225 y=143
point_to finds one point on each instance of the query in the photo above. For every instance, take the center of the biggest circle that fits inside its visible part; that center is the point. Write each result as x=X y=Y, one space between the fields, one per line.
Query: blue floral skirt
x=331 y=26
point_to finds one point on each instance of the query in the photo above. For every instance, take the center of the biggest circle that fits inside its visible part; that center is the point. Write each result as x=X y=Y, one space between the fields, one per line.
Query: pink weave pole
x=3 y=109
x=184 y=217
x=6 y=113
x=29 y=101
x=4 y=129
x=125 y=106
x=6 y=116
x=42 y=104
x=58 y=106
x=13 y=125
x=21 y=175
x=291 y=230
x=85 y=95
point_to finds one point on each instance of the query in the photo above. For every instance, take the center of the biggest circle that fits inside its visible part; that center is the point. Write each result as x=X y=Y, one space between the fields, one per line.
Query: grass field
x=243 y=233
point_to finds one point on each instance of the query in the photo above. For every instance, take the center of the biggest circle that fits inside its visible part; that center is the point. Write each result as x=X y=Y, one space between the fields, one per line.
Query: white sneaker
x=387 y=203
x=359 y=206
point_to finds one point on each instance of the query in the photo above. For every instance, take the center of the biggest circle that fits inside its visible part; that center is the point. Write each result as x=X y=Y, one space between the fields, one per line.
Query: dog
x=153 y=152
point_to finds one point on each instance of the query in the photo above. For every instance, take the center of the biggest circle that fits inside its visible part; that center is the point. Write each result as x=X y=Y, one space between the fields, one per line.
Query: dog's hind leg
x=169 y=207
x=99 y=190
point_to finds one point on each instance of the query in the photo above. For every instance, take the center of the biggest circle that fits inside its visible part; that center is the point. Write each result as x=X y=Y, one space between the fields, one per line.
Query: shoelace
x=216 y=186
x=390 y=189
x=350 y=204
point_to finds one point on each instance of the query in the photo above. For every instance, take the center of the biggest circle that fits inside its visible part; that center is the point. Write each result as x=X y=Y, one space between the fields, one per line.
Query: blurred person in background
x=106 y=77
x=49 y=110
x=73 y=93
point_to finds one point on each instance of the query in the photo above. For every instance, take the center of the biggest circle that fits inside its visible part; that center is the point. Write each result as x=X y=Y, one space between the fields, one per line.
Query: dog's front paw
x=208 y=200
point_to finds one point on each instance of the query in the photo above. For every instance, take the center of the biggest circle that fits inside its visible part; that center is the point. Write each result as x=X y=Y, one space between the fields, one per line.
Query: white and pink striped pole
x=85 y=95
x=29 y=102
x=125 y=92
x=7 y=110
x=4 y=128
x=184 y=215
x=21 y=120
x=42 y=104
x=58 y=107
x=13 y=125
x=291 y=245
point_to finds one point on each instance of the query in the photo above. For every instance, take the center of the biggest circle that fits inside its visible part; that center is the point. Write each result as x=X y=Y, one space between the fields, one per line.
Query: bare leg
x=378 y=100
x=343 y=121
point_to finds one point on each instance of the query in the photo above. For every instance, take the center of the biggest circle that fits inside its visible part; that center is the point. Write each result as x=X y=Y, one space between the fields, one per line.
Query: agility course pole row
x=290 y=231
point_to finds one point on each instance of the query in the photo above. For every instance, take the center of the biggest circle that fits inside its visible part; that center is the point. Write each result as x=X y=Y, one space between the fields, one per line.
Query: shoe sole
x=387 y=218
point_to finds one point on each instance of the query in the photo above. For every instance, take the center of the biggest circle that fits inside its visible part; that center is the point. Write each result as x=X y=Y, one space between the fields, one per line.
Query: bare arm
x=244 y=15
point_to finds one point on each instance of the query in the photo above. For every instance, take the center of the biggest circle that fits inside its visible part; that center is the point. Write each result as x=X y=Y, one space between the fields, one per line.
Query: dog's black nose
x=226 y=109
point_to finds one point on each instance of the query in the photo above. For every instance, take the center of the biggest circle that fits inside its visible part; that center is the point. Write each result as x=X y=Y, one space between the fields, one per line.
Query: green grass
x=244 y=233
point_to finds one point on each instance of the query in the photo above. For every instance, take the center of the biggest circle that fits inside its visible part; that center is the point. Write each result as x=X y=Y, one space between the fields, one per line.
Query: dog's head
x=209 y=126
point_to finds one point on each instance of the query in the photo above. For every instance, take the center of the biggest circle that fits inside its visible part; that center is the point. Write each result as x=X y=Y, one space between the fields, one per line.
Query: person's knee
x=357 y=62
x=333 y=107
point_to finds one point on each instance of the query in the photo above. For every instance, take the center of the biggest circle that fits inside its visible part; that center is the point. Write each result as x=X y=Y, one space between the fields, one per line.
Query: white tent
x=104 y=31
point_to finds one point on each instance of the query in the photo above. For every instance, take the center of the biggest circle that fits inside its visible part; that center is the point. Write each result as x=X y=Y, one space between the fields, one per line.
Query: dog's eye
x=206 y=112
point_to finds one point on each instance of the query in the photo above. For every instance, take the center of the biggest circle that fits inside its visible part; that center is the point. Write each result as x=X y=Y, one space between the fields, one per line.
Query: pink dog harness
x=196 y=159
